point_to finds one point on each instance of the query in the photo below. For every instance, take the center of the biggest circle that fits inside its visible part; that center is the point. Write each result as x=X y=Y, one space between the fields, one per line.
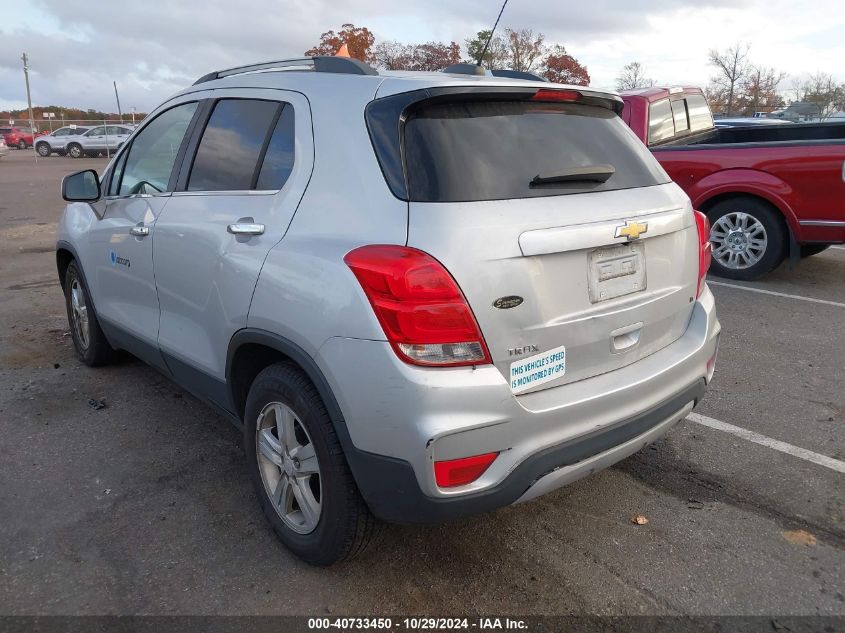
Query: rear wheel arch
x=252 y=350
x=786 y=216
x=768 y=219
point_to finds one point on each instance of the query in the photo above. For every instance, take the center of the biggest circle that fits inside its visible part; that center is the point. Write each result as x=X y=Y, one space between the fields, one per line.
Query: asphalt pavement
x=145 y=507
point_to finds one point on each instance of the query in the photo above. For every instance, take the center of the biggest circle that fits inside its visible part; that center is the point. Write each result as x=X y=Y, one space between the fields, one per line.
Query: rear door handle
x=245 y=226
x=139 y=231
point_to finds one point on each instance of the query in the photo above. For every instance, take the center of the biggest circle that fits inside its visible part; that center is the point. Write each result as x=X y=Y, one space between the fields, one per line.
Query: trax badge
x=631 y=229
x=503 y=303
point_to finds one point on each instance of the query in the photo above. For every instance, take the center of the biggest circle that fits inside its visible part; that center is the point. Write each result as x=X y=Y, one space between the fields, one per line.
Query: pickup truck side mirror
x=83 y=186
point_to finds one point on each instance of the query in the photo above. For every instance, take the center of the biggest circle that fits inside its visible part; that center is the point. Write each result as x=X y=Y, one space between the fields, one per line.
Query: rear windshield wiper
x=590 y=173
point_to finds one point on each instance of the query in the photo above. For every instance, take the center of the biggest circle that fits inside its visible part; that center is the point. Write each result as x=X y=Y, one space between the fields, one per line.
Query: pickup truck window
x=661 y=125
x=699 y=113
x=679 y=114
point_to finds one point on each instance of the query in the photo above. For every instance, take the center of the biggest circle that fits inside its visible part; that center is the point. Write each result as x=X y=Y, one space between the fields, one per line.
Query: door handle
x=245 y=228
x=139 y=231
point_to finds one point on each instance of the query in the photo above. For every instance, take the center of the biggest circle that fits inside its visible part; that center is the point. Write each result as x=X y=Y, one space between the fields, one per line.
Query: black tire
x=74 y=150
x=775 y=231
x=808 y=250
x=43 y=149
x=345 y=526
x=21 y=144
x=97 y=351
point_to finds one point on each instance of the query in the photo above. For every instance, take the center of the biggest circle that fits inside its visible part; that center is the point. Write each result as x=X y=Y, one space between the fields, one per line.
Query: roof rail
x=320 y=64
x=517 y=74
x=464 y=69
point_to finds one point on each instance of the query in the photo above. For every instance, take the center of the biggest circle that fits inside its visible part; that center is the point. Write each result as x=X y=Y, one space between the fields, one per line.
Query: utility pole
x=116 y=96
x=133 y=115
x=28 y=98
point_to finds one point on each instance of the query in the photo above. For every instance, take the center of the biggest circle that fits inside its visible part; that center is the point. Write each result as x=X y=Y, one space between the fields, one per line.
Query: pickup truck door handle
x=139 y=231
x=245 y=226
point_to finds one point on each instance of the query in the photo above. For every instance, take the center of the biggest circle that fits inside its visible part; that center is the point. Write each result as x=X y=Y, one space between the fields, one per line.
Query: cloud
x=157 y=47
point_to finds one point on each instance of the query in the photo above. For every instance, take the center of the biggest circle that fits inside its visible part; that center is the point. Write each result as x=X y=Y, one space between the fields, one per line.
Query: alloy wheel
x=79 y=314
x=289 y=467
x=739 y=240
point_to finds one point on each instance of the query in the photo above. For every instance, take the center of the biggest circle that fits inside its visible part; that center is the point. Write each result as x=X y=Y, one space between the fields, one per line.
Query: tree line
x=741 y=87
x=516 y=49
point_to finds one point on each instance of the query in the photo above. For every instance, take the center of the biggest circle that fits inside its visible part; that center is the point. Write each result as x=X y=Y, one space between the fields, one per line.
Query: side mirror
x=83 y=186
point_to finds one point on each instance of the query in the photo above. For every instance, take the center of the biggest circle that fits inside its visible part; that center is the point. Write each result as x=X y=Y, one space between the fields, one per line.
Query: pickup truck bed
x=770 y=192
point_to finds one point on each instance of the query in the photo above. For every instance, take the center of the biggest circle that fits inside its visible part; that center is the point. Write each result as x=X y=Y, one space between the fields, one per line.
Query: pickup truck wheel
x=74 y=150
x=88 y=339
x=299 y=471
x=43 y=149
x=748 y=238
x=808 y=250
x=21 y=144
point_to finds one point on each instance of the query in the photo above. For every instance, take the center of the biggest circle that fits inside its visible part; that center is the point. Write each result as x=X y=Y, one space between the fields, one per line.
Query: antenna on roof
x=484 y=51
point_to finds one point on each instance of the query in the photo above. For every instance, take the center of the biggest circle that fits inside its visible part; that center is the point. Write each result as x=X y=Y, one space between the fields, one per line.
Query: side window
x=78 y=131
x=153 y=151
x=278 y=160
x=117 y=174
x=679 y=114
x=97 y=131
x=660 y=123
x=234 y=140
x=699 y=113
x=62 y=132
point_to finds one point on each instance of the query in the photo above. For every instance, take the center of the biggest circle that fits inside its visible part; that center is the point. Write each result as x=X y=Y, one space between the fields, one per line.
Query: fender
x=747 y=181
x=296 y=354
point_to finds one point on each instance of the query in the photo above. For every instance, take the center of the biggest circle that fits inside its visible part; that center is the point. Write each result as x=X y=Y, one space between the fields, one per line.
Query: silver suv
x=99 y=139
x=422 y=295
x=57 y=140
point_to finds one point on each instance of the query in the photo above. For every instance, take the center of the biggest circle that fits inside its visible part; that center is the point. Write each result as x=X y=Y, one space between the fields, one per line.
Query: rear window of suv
x=492 y=150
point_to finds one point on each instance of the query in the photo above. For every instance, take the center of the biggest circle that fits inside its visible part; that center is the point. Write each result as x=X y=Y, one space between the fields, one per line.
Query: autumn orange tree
x=359 y=41
x=521 y=49
x=431 y=56
x=561 y=67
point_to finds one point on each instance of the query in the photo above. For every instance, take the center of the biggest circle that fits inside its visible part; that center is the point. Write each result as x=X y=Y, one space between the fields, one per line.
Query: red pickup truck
x=770 y=192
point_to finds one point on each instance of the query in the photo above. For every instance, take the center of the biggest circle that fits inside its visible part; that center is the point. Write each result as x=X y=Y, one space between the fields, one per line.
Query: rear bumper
x=392 y=493
x=400 y=419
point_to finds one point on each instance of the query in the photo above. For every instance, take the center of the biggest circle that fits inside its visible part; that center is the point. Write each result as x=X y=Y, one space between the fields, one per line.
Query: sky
x=154 y=48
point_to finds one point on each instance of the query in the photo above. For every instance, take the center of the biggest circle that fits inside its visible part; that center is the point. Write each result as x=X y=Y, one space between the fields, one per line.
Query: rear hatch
x=588 y=268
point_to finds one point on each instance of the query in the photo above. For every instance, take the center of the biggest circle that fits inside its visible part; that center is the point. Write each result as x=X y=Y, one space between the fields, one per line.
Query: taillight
x=420 y=307
x=705 y=249
x=546 y=94
x=458 y=472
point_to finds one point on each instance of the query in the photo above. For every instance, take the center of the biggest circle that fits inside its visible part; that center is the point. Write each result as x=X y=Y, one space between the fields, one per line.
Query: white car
x=99 y=139
x=4 y=149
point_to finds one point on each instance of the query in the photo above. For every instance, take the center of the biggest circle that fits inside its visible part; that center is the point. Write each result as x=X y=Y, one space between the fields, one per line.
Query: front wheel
x=74 y=150
x=43 y=149
x=748 y=238
x=299 y=471
x=21 y=144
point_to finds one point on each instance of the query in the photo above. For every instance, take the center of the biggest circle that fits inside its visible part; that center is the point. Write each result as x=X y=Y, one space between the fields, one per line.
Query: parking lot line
x=763 y=440
x=839 y=248
x=777 y=294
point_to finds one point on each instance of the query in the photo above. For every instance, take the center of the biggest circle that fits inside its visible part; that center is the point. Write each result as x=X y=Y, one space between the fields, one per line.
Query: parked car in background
x=770 y=191
x=507 y=292
x=18 y=136
x=748 y=121
x=4 y=149
x=98 y=140
x=57 y=140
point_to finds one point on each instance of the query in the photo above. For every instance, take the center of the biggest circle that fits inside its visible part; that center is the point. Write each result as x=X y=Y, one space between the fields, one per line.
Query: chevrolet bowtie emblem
x=631 y=229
